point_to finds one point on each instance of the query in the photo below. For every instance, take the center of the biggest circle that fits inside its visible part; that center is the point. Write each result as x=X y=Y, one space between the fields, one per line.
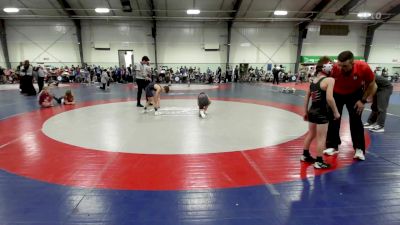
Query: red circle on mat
x=27 y=152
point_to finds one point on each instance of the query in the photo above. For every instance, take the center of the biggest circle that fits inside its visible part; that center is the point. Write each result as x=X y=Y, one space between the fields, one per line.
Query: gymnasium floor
x=103 y=161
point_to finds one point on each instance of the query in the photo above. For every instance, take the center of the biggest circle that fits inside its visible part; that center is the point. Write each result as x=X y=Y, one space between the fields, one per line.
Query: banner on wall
x=314 y=59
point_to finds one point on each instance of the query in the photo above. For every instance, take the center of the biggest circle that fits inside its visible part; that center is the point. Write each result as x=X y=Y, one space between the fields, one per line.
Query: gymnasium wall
x=55 y=43
x=120 y=35
x=264 y=43
x=316 y=44
x=41 y=41
x=385 y=49
x=182 y=43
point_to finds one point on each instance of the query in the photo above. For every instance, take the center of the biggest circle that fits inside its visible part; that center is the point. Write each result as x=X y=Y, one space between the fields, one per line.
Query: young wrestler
x=45 y=98
x=153 y=96
x=322 y=102
x=203 y=102
x=68 y=98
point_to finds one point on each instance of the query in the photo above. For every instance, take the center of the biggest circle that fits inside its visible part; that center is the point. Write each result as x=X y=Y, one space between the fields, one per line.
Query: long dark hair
x=68 y=93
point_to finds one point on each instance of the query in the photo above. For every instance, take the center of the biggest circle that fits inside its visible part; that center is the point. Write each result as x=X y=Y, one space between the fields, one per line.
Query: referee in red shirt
x=354 y=83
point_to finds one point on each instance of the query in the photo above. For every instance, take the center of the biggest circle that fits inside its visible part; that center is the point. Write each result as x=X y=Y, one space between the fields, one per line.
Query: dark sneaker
x=139 y=105
x=308 y=159
x=321 y=165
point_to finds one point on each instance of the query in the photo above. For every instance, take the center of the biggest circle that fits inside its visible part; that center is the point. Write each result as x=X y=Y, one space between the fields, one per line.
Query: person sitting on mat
x=46 y=98
x=68 y=98
x=153 y=96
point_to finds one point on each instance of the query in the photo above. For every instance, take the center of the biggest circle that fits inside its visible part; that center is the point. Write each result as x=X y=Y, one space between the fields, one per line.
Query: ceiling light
x=102 y=10
x=245 y=44
x=280 y=12
x=364 y=14
x=11 y=10
x=193 y=11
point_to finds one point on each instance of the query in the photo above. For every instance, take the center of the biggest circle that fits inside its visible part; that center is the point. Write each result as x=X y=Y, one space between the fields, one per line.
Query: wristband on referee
x=363 y=101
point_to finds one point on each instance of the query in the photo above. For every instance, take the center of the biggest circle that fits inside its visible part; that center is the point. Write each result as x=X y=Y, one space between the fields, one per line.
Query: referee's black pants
x=356 y=126
x=142 y=84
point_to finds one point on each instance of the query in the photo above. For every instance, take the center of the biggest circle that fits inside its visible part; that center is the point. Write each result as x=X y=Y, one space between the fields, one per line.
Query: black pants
x=379 y=106
x=40 y=82
x=22 y=84
x=104 y=85
x=129 y=79
x=28 y=86
x=356 y=126
x=141 y=83
x=210 y=80
x=276 y=78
